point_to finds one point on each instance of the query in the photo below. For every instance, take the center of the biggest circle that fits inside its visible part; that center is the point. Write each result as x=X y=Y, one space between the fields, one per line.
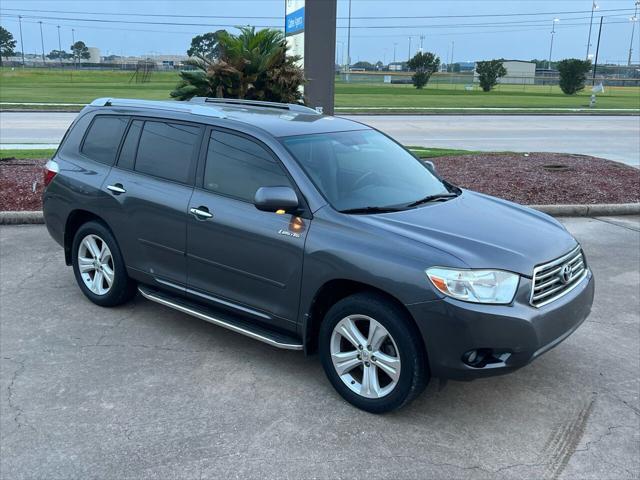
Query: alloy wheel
x=95 y=264
x=365 y=356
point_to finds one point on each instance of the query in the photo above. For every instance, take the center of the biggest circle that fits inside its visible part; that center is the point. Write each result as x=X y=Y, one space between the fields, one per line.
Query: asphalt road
x=142 y=391
x=612 y=137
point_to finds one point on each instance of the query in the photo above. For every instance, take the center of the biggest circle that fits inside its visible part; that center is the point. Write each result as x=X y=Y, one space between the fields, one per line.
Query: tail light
x=51 y=169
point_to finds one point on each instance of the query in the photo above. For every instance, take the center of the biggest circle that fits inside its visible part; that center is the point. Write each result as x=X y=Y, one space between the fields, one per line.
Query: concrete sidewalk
x=141 y=391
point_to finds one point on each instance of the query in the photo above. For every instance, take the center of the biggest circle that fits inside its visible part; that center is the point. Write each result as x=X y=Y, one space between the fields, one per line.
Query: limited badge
x=287 y=233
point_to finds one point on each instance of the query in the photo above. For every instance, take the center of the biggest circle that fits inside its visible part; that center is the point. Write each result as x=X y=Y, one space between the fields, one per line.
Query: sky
x=495 y=34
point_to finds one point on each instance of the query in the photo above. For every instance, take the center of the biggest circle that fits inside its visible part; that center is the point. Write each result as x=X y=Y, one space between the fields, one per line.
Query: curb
x=596 y=210
x=21 y=218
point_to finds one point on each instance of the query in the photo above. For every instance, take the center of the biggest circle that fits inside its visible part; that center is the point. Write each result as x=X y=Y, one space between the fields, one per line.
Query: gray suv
x=314 y=233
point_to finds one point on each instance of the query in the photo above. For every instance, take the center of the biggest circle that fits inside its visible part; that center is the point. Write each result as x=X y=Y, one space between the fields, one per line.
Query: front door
x=238 y=256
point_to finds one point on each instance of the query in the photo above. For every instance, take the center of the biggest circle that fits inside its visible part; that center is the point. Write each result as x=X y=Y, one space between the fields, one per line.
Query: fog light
x=477 y=358
x=471 y=356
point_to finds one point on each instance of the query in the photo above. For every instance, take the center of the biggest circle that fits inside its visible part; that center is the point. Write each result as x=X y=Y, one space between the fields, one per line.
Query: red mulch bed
x=524 y=179
x=17 y=180
x=543 y=178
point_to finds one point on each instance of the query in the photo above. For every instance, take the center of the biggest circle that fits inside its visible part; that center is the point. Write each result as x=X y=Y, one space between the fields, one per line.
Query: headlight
x=479 y=286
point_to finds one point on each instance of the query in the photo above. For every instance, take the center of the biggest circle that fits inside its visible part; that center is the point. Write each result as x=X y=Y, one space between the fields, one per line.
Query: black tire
x=122 y=288
x=414 y=374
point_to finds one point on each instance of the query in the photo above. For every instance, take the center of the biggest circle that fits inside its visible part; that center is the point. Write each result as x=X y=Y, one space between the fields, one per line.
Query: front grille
x=557 y=278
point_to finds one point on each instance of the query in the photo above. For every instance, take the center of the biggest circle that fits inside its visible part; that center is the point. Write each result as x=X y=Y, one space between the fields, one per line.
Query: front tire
x=372 y=353
x=98 y=266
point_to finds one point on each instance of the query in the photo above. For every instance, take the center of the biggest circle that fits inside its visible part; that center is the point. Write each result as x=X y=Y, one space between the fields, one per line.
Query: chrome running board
x=222 y=319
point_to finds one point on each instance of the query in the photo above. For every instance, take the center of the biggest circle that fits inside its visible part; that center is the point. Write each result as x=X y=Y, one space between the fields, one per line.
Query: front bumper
x=516 y=333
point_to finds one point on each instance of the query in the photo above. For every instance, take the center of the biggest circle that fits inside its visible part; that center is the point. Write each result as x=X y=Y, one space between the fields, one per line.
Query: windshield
x=363 y=169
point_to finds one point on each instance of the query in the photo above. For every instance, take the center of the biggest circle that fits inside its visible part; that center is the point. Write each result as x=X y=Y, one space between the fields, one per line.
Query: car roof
x=277 y=119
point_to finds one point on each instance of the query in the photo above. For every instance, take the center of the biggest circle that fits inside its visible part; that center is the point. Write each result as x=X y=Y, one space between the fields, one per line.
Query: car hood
x=482 y=231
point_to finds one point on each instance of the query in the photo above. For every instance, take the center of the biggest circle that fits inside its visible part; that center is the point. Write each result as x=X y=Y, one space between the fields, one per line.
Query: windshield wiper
x=371 y=210
x=431 y=198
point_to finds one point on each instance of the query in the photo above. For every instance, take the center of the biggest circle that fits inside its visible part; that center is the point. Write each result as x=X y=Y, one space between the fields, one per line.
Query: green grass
x=454 y=96
x=47 y=153
x=82 y=86
x=423 y=152
x=27 y=153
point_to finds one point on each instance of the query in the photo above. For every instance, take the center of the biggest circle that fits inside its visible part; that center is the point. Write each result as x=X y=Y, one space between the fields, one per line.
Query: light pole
x=409 y=57
x=453 y=44
x=595 y=64
x=59 y=47
x=421 y=41
x=21 y=42
x=349 y=40
x=594 y=6
x=634 y=20
x=395 y=44
x=553 y=32
x=41 y=40
x=73 y=42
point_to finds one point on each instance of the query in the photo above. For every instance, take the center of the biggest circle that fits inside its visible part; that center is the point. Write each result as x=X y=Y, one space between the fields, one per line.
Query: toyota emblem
x=566 y=273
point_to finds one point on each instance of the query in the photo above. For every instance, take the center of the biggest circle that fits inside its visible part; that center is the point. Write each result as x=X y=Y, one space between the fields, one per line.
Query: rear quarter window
x=103 y=138
x=168 y=150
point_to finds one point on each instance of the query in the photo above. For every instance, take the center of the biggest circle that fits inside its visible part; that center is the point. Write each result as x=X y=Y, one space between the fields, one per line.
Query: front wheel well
x=75 y=220
x=331 y=293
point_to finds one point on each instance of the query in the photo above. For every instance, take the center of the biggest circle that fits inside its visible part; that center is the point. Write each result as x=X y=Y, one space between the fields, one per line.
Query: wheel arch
x=332 y=292
x=75 y=220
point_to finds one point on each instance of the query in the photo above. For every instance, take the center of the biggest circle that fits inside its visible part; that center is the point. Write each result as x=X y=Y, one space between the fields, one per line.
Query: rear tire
x=99 y=267
x=372 y=353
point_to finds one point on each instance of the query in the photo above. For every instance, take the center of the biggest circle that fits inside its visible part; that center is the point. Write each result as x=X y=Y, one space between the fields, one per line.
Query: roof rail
x=292 y=107
x=171 y=105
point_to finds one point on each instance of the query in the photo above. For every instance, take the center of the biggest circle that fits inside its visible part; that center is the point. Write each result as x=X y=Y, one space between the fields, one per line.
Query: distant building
x=519 y=72
x=397 y=66
x=466 y=66
x=94 y=55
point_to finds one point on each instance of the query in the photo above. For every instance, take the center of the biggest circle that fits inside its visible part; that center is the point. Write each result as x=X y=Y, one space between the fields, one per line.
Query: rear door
x=151 y=185
x=237 y=255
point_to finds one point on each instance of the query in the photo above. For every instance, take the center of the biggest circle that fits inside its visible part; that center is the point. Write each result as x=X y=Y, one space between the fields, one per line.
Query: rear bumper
x=514 y=334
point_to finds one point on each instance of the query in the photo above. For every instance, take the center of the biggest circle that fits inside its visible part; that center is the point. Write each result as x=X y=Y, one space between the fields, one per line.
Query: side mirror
x=430 y=165
x=272 y=199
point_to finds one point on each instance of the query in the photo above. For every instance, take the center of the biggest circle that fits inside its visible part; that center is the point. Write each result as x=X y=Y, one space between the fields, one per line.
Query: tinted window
x=238 y=167
x=167 y=150
x=130 y=145
x=103 y=138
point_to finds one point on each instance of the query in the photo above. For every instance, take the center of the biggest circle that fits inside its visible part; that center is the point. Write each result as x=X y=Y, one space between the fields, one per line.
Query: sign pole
x=310 y=29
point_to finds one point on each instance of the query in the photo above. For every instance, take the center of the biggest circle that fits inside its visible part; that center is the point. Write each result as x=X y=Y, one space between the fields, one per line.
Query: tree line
x=79 y=51
x=573 y=72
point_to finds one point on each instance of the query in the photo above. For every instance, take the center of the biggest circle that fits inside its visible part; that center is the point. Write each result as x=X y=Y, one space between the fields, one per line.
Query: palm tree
x=251 y=65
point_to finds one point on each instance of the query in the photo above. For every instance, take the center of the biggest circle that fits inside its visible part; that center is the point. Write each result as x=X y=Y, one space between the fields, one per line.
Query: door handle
x=201 y=213
x=116 y=189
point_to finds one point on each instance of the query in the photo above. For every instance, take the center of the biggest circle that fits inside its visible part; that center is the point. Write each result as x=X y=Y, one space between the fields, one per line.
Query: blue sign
x=294 y=22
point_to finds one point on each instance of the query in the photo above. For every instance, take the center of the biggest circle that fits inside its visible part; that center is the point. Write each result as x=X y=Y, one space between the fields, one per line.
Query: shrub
x=573 y=74
x=251 y=65
x=424 y=65
x=489 y=72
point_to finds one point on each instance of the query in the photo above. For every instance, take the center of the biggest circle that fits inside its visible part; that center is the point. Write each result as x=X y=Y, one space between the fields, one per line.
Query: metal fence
x=469 y=82
x=85 y=65
x=609 y=76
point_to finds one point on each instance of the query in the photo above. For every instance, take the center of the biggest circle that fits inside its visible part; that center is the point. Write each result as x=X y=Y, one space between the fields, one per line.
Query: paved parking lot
x=142 y=391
